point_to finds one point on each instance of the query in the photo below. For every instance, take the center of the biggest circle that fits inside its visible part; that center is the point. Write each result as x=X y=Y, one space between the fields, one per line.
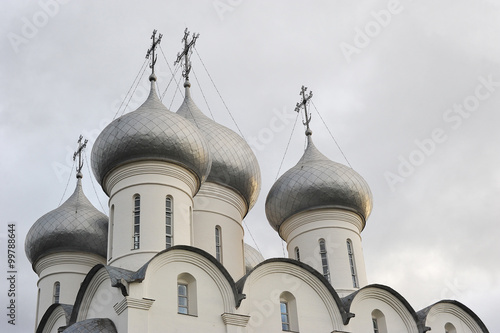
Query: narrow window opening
x=57 y=292
x=378 y=322
x=450 y=328
x=168 y=223
x=137 y=221
x=288 y=311
x=186 y=295
x=352 y=264
x=297 y=253
x=218 y=244
x=324 y=259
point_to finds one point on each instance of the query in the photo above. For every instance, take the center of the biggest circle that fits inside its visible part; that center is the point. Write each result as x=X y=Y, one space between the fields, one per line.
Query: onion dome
x=234 y=164
x=76 y=225
x=152 y=132
x=252 y=257
x=317 y=182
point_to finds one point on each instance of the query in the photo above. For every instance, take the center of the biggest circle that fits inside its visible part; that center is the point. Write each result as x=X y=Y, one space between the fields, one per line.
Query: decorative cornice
x=133 y=303
x=151 y=168
x=225 y=194
x=68 y=258
x=320 y=215
x=235 y=319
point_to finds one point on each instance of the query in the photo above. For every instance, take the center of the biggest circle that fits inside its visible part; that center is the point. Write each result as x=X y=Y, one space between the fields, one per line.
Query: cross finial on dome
x=303 y=103
x=186 y=53
x=151 y=51
x=78 y=152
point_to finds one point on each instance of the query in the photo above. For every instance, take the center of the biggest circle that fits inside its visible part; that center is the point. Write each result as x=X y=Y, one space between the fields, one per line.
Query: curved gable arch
x=430 y=315
x=306 y=274
x=389 y=297
x=91 y=298
x=200 y=259
x=55 y=313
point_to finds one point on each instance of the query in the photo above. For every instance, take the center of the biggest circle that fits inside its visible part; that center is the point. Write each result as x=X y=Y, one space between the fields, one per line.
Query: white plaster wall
x=263 y=298
x=153 y=181
x=70 y=269
x=162 y=287
x=395 y=321
x=304 y=231
x=215 y=205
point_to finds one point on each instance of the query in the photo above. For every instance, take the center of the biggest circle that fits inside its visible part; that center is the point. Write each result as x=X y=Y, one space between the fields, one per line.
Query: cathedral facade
x=170 y=257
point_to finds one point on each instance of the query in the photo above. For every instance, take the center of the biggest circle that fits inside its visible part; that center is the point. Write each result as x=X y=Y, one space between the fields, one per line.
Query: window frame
x=56 y=293
x=297 y=253
x=136 y=226
x=324 y=259
x=169 y=222
x=352 y=264
x=179 y=297
x=218 y=243
x=285 y=316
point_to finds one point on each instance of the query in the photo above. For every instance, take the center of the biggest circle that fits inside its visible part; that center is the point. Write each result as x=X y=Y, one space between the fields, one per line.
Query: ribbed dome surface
x=102 y=325
x=233 y=162
x=151 y=132
x=76 y=225
x=317 y=182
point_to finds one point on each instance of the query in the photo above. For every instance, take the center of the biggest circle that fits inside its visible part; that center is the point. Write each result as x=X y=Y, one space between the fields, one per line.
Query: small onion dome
x=151 y=132
x=317 y=182
x=234 y=164
x=76 y=225
x=252 y=257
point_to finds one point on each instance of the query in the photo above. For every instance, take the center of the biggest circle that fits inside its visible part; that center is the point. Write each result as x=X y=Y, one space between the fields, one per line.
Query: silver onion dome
x=234 y=164
x=252 y=257
x=152 y=132
x=317 y=182
x=76 y=225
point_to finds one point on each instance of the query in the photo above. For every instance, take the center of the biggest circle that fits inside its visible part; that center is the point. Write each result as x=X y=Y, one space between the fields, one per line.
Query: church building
x=171 y=257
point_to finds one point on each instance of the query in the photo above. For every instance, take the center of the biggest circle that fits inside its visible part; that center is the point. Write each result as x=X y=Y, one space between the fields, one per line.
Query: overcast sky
x=410 y=90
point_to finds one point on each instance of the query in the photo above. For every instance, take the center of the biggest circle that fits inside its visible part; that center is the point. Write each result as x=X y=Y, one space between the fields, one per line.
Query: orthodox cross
x=78 y=152
x=188 y=49
x=303 y=103
x=151 y=50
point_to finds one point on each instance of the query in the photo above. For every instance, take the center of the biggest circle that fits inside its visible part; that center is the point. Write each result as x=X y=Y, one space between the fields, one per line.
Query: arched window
x=57 y=292
x=352 y=264
x=186 y=294
x=169 y=234
x=288 y=310
x=137 y=221
x=324 y=259
x=297 y=253
x=449 y=328
x=218 y=243
x=378 y=321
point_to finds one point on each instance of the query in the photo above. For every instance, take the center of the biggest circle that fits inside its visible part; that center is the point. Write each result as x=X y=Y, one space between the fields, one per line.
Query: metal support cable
x=176 y=68
x=223 y=102
x=206 y=102
x=287 y=145
x=332 y=136
x=91 y=181
x=140 y=70
x=67 y=183
x=132 y=94
x=253 y=239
